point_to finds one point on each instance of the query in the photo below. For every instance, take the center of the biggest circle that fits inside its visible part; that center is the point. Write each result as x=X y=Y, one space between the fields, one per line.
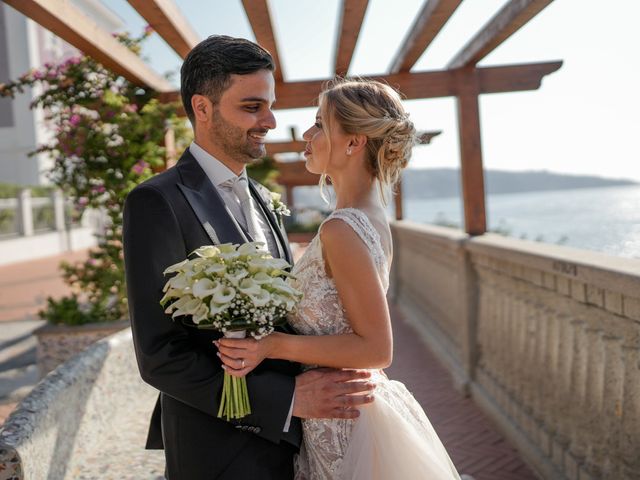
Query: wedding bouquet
x=233 y=290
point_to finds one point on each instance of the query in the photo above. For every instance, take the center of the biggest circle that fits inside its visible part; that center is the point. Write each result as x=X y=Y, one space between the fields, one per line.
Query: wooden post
x=398 y=200
x=471 y=170
x=288 y=192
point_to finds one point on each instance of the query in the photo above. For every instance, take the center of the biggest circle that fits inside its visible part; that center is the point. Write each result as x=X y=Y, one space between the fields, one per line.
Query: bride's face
x=321 y=151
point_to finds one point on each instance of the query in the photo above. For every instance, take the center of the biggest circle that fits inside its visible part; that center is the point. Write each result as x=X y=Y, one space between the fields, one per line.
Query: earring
x=348 y=151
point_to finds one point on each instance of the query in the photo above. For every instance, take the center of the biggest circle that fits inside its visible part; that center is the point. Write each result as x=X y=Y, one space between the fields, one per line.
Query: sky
x=585 y=119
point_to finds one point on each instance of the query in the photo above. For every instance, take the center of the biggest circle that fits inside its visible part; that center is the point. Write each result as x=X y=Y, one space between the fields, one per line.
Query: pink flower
x=139 y=167
x=75 y=119
x=148 y=30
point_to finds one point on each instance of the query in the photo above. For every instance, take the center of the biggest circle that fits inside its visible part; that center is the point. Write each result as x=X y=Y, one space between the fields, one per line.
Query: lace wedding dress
x=392 y=439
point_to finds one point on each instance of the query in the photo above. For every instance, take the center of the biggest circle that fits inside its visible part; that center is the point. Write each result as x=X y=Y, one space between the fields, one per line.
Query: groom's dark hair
x=209 y=65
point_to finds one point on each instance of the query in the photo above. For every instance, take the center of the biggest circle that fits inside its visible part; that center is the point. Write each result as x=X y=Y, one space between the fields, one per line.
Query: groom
x=227 y=88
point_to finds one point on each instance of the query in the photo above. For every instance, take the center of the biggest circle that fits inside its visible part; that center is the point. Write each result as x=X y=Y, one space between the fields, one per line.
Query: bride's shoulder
x=345 y=226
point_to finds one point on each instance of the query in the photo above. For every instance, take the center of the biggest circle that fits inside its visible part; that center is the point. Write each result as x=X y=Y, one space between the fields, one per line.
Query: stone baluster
x=613 y=393
x=578 y=446
x=591 y=426
x=630 y=438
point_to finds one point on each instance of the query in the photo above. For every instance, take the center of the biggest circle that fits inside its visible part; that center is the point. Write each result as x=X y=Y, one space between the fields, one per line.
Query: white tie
x=240 y=187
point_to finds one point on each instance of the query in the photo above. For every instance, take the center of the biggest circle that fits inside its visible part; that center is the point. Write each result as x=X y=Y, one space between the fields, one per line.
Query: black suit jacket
x=165 y=219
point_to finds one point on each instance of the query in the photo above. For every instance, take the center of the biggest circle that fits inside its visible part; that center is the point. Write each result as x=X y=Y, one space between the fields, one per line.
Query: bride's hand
x=241 y=355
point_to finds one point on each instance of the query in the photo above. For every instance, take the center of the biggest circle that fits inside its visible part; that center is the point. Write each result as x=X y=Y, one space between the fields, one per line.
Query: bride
x=361 y=140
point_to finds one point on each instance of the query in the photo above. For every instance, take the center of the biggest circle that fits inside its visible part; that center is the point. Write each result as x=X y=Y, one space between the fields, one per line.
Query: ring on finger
x=242 y=363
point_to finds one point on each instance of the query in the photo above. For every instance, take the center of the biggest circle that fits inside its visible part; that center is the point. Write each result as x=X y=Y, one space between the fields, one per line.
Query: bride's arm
x=363 y=297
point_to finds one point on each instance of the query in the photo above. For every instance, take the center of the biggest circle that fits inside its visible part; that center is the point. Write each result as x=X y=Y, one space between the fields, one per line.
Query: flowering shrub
x=108 y=136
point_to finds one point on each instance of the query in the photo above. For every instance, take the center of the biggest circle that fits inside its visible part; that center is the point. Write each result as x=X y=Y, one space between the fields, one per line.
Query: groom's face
x=243 y=116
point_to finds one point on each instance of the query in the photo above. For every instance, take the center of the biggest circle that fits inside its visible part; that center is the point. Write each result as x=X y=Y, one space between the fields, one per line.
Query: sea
x=604 y=219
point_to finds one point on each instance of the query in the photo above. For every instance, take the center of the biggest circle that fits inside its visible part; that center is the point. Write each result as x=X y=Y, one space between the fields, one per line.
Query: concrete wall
x=545 y=338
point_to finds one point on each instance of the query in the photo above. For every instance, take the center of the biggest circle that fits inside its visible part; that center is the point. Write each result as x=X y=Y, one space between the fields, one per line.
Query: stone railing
x=545 y=338
x=86 y=419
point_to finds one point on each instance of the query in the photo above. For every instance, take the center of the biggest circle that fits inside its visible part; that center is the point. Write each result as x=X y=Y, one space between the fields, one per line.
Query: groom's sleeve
x=168 y=358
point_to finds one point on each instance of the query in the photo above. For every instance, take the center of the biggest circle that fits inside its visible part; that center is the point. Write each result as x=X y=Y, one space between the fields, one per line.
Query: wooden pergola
x=462 y=78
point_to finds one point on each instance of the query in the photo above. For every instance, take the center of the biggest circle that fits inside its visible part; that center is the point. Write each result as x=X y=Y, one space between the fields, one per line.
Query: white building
x=25 y=45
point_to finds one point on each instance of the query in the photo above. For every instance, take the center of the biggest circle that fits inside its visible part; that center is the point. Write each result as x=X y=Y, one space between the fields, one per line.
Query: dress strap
x=363 y=227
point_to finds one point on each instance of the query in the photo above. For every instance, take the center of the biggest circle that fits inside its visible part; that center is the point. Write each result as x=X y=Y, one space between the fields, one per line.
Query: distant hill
x=445 y=182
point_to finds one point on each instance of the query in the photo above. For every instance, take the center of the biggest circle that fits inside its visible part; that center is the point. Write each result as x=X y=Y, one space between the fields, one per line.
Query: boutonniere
x=277 y=206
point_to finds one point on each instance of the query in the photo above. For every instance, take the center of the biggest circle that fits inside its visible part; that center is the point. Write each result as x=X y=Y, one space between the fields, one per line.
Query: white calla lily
x=262 y=278
x=237 y=276
x=216 y=308
x=207 y=251
x=258 y=264
x=189 y=308
x=278 y=263
x=261 y=299
x=179 y=282
x=224 y=295
x=216 y=269
x=229 y=256
x=202 y=313
x=251 y=248
x=176 y=267
x=227 y=247
x=205 y=287
x=249 y=286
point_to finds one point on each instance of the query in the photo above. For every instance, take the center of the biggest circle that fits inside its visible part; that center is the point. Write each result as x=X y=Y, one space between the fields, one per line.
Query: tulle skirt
x=392 y=439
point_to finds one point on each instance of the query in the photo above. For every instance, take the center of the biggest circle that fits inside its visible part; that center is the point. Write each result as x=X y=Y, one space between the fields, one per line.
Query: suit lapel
x=276 y=228
x=207 y=204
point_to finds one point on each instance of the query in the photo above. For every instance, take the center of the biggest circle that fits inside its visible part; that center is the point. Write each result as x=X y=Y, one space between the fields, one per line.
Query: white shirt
x=218 y=173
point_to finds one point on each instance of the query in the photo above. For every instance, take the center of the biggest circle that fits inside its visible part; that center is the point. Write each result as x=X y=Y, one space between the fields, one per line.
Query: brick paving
x=474 y=444
x=25 y=286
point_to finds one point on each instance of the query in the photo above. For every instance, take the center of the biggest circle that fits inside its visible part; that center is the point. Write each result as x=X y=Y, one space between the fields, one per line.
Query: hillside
x=445 y=182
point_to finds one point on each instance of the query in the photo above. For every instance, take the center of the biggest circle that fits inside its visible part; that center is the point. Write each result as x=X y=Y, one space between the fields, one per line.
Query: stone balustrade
x=545 y=338
x=86 y=420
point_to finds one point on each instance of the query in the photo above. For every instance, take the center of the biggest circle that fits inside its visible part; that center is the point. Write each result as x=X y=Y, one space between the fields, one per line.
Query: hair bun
x=373 y=109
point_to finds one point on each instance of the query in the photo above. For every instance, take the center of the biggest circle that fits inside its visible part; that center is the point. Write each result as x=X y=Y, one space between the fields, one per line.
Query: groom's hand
x=330 y=393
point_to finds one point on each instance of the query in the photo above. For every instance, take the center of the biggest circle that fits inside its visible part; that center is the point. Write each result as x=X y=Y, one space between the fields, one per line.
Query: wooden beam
x=416 y=85
x=260 y=20
x=74 y=27
x=424 y=138
x=471 y=169
x=434 y=84
x=167 y=19
x=433 y=16
x=293 y=146
x=349 y=29
x=515 y=78
x=500 y=27
x=412 y=85
x=297 y=146
x=295 y=174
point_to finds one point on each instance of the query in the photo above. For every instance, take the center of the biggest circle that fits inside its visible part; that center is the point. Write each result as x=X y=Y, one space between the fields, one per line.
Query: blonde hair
x=373 y=109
